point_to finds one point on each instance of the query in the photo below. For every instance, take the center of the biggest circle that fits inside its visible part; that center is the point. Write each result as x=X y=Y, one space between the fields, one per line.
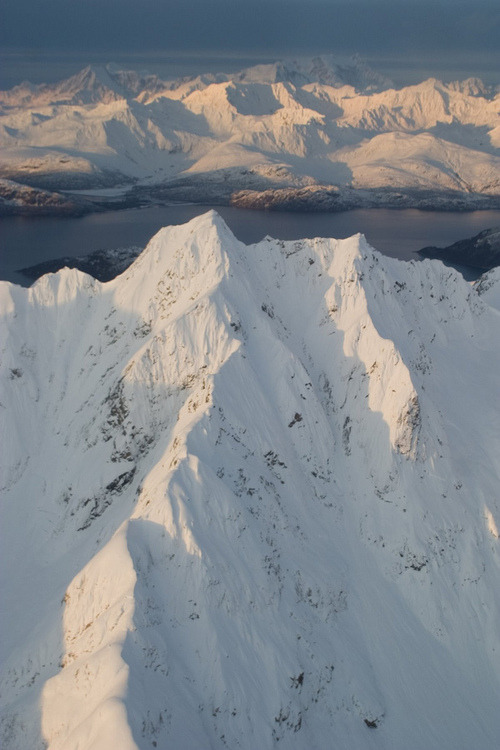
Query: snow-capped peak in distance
x=109 y=82
x=330 y=135
x=90 y=85
x=95 y=81
x=254 y=500
x=325 y=69
x=93 y=84
x=473 y=87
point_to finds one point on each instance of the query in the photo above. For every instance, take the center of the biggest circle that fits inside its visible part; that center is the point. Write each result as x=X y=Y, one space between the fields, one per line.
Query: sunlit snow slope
x=251 y=498
x=295 y=125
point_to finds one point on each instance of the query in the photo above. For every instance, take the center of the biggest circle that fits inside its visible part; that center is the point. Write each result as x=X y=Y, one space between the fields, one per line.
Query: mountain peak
x=231 y=471
x=324 y=69
x=93 y=83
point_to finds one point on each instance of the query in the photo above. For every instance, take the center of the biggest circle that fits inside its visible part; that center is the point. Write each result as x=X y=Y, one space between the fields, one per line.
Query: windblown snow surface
x=251 y=499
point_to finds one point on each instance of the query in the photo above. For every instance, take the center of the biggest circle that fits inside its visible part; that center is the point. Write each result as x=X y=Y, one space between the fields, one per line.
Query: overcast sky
x=464 y=32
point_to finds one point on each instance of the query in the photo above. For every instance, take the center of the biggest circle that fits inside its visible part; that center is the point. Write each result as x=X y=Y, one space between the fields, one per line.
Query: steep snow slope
x=287 y=125
x=251 y=497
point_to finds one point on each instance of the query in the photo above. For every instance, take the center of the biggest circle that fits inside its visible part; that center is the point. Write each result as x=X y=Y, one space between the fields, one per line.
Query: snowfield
x=251 y=499
x=288 y=126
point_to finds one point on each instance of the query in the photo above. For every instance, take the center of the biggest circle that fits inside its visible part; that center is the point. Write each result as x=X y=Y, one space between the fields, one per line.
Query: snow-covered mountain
x=250 y=499
x=481 y=251
x=294 y=125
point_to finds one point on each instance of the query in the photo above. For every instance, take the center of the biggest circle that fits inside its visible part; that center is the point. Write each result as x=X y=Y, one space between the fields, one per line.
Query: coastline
x=20 y=199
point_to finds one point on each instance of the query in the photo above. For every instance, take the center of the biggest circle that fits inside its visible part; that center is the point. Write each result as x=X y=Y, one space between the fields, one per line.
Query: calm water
x=27 y=241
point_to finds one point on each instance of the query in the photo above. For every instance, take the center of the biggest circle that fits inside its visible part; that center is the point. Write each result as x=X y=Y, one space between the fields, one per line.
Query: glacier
x=250 y=499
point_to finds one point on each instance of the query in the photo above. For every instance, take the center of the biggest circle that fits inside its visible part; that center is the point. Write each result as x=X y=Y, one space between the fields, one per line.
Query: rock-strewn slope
x=17 y=199
x=250 y=498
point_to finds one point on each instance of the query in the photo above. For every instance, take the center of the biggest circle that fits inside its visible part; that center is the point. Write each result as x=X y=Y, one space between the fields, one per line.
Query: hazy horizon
x=17 y=66
x=407 y=40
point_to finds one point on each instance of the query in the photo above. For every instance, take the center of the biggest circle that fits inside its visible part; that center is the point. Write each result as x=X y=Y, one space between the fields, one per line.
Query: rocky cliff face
x=251 y=498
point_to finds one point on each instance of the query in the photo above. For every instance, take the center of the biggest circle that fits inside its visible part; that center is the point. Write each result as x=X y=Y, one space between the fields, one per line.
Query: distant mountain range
x=250 y=500
x=307 y=134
